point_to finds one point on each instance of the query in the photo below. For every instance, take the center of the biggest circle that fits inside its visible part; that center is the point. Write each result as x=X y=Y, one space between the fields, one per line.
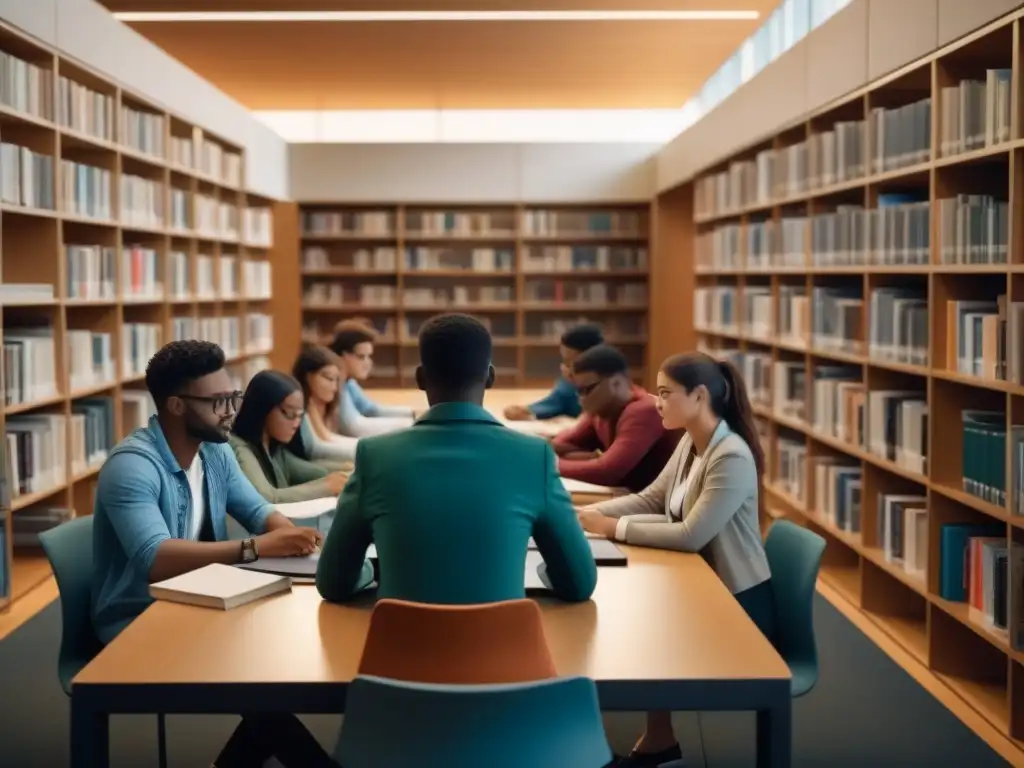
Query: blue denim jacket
x=143 y=499
x=562 y=400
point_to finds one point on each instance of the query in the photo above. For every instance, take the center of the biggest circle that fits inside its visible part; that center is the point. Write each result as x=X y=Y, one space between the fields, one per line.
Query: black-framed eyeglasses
x=586 y=389
x=221 y=405
x=290 y=414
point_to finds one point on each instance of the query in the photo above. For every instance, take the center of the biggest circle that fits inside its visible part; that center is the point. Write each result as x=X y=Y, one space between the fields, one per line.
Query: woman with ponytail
x=706 y=500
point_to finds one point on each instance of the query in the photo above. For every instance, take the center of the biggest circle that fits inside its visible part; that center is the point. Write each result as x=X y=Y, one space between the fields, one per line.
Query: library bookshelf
x=528 y=271
x=864 y=268
x=122 y=227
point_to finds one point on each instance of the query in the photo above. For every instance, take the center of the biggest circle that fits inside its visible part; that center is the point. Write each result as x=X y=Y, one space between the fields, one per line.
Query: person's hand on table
x=593 y=521
x=336 y=481
x=519 y=413
x=293 y=541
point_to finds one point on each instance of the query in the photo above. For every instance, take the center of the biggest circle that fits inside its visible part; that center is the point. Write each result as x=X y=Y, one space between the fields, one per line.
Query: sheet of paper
x=578 y=486
x=538 y=428
x=307 y=510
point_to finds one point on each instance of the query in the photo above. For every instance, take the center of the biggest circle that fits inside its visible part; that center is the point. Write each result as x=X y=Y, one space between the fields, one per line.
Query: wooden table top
x=664 y=617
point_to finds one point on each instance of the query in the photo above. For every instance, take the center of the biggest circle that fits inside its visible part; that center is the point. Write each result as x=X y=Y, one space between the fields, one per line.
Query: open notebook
x=219 y=586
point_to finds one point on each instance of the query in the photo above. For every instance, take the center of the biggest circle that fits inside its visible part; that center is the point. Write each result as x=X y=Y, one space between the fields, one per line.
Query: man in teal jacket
x=452 y=501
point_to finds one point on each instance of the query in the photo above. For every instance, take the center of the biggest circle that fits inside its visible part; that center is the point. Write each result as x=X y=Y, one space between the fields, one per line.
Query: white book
x=309 y=509
x=219 y=586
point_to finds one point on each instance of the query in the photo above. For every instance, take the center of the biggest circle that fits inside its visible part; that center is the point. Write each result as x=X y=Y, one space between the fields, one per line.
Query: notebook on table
x=605 y=551
x=219 y=586
x=285 y=566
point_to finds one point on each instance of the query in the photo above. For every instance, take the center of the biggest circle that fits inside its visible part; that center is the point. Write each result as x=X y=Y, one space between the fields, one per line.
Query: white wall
x=864 y=41
x=88 y=32
x=468 y=173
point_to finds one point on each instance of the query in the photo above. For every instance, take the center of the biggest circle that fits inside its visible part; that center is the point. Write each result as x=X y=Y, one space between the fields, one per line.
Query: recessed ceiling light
x=356 y=16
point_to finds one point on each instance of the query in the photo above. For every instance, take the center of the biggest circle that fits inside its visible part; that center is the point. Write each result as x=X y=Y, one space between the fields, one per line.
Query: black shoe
x=647 y=759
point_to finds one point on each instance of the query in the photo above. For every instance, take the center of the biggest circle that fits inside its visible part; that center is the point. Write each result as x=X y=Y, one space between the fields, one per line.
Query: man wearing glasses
x=165 y=492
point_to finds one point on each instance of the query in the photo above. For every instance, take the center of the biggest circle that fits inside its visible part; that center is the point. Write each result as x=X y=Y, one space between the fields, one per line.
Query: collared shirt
x=143 y=498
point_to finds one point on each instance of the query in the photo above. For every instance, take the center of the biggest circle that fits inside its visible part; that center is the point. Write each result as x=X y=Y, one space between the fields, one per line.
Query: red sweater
x=635 y=447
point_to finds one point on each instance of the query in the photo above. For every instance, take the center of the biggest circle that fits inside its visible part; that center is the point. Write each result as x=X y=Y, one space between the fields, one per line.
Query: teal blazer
x=451 y=503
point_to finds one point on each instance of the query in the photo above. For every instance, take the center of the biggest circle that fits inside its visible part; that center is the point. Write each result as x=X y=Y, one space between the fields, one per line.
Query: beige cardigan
x=719 y=516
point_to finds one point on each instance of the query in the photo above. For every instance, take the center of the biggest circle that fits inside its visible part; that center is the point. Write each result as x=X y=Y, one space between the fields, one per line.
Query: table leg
x=90 y=732
x=775 y=735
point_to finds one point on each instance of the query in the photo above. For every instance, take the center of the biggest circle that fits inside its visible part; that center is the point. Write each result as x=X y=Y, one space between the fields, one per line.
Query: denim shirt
x=562 y=400
x=143 y=499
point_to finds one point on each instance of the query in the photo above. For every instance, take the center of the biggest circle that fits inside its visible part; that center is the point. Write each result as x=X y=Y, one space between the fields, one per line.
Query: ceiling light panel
x=407 y=16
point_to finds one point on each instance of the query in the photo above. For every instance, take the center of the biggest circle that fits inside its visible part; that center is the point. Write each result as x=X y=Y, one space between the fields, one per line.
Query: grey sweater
x=718 y=515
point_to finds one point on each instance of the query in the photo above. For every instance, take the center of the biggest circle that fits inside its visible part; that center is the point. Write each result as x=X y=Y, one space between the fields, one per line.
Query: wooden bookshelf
x=529 y=271
x=818 y=258
x=121 y=189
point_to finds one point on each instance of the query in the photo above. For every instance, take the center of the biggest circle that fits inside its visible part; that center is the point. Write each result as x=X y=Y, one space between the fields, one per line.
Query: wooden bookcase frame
x=511 y=352
x=32 y=251
x=972 y=668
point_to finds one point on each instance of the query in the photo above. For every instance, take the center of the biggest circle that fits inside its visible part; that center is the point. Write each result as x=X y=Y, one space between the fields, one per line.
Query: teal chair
x=69 y=550
x=552 y=723
x=794 y=556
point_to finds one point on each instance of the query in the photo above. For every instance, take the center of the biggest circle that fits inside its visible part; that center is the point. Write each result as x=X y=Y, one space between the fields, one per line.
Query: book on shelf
x=26 y=177
x=425 y=258
x=90 y=359
x=838 y=403
x=602 y=259
x=257 y=227
x=140 y=273
x=758 y=313
x=205 y=284
x=142 y=131
x=900 y=136
x=139 y=342
x=180 y=275
x=837 y=156
x=182 y=152
x=91 y=271
x=976 y=338
x=986 y=582
x=719 y=249
x=714 y=308
x=792 y=470
x=973 y=229
x=837 y=483
x=793 y=324
x=227 y=286
x=900 y=229
x=36 y=444
x=206 y=212
x=137 y=407
x=557 y=292
x=837 y=314
x=788 y=383
x=459 y=223
x=898 y=325
x=26 y=293
x=259 y=332
x=762 y=244
x=30 y=367
x=902 y=531
x=367 y=223
x=839 y=237
x=976 y=113
x=378 y=259
x=183 y=328
x=181 y=210
x=256 y=278
x=897 y=428
x=25 y=87
x=983 y=454
x=541 y=223
x=86 y=190
x=954 y=552
x=351 y=295
x=142 y=202
x=227 y=221
x=92 y=432
x=458 y=296
x=790 y=171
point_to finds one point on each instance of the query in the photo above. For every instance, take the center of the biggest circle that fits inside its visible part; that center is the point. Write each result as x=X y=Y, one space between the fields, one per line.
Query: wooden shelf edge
x=1001 y=743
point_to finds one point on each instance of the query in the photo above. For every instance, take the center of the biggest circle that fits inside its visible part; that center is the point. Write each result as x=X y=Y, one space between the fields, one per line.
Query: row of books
x=450 y=223
x=26 y=177
x=90 y=359
x=890 y=138
x=29 y=365
x=28 y=88
x=975 y=113
x=382 y=259
x=986 y=338
x=583 y=258
x=472 y=260
x=458 y=296
x=215 y=218
x=973 y=229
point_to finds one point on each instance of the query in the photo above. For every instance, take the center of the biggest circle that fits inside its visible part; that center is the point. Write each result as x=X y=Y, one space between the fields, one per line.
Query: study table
x=662 y=633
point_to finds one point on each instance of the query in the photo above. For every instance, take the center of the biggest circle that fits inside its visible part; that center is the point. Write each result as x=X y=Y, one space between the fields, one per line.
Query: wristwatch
x=250 y=552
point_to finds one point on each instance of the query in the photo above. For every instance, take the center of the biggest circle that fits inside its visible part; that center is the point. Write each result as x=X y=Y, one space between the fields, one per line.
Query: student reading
x=272 y=409
x=318 y=373
x=161 y=507
x=562 y=400
x=358 y=416
x=706 y=500
x=452 y=502
x=620 y=441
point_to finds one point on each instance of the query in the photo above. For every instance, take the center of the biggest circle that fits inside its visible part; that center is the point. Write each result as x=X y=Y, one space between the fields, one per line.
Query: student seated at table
x=272 y=409
x=620 y=441
x=161 y=507
x=316 y=370
x=563 y=399
x=358 y=415
x=452 y=502
x=706 y=500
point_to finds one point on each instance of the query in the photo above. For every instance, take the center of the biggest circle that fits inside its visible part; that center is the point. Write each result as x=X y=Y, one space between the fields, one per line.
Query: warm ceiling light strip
x=356 y=16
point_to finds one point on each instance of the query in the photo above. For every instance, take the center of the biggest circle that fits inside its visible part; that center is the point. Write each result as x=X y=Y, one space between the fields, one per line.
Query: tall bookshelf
x=864 y=268
x=528 y=271
x=122 y=227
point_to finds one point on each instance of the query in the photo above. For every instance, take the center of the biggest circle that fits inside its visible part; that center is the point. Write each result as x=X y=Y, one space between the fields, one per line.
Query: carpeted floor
x=864 y=712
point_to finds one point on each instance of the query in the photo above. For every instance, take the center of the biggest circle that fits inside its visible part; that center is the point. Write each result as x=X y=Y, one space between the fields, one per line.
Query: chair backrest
x=69 y=550
x=489 y=643
x=794 y=556
x=543 y=724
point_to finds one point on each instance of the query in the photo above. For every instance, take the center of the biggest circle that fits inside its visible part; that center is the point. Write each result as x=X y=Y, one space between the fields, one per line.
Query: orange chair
x=491 y=643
